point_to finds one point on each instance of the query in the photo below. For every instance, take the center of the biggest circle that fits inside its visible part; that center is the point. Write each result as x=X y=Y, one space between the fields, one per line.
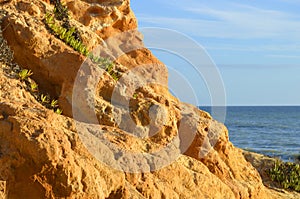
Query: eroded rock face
x=54 y=64
x=43 y=159
x=109 y=149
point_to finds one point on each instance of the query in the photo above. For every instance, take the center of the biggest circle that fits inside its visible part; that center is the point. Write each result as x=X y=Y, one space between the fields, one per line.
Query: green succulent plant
x=66 y=35
x=49 y=18
x=24 y=74
x=58 y=111
x=54 y=103
x=114 y=76
x=109 y=67
x=104 y=63
x=135 y=96
x=44 y=99
x=33 y=87
x=70 y=36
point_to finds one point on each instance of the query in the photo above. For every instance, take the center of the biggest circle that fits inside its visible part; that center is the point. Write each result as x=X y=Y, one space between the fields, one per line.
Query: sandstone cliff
x=111 y=155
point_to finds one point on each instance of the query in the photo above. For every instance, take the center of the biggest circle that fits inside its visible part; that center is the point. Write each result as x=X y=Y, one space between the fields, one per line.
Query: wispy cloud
x=196 y=27
x=261 y=47
x=284 y=56
x=251 y=22
x=238 y=22
x=231 y=31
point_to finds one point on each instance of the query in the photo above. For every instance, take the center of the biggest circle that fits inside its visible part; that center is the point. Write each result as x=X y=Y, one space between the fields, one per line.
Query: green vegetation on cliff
x=58 y=23
x=287 y=174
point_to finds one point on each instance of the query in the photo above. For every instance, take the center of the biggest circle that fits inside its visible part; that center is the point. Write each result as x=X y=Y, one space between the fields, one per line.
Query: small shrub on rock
x=287 y=174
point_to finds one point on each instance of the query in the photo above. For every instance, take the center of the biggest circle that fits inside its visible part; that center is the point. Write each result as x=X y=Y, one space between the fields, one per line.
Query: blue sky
x=254 y=44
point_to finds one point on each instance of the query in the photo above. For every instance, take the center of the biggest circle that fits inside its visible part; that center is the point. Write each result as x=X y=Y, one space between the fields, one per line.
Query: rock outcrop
x=105 y=145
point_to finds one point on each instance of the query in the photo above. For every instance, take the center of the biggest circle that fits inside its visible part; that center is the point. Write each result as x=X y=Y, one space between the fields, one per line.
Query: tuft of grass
x=24 y=74
x=287 y=174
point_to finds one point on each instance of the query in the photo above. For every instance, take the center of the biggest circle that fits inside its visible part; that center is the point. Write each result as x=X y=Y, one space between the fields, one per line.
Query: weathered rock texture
x=42 y=154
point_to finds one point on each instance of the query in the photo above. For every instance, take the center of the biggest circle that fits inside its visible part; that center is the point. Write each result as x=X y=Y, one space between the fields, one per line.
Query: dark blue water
x=273 y=131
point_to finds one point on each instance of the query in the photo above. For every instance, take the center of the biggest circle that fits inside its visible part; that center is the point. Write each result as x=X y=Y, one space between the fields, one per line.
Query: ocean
x=269 y=130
